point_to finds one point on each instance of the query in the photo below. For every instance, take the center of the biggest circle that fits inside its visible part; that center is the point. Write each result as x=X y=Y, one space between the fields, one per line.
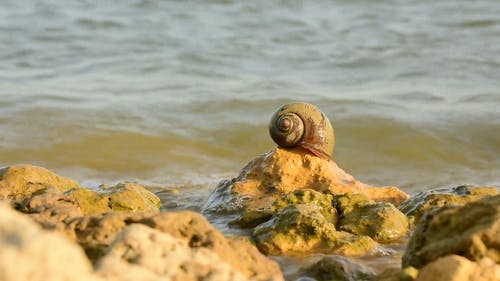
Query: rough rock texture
x=458 y=196
x=55 y=210
x=36 y=190
x=457 y=268
x=381 y=221
x=348 y=202
x=302 y=228
x=95 y=233
x=123 y=197
x=50 y=208
x=142 y=253
x=323 y=202
x=30 y=253
x=20 y=181
x=338 y=268
x=282 y=171
x=472 y=231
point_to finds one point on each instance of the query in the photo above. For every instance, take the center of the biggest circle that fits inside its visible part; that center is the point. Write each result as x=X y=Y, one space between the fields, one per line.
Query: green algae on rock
x=20 y=181
x=323 y=202
x=415 y=207
x=123 y=197
x=381 y=221
x=302 y=228
x=347 y=202
x=471 y=231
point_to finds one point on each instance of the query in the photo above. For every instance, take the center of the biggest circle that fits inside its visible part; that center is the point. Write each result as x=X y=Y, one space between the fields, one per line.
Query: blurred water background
x=179 y=93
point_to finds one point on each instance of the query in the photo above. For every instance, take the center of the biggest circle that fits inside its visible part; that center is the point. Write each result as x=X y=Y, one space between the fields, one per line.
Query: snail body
x=303 y=125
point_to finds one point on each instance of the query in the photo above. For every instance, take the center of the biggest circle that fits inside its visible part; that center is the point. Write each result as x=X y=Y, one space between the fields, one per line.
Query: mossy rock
x=322 y=202
x=123 y=197
x=348 y=202
x=418 y=204
x=381 y=221
x=21 y=181
x=471 y=231
x=302 y=228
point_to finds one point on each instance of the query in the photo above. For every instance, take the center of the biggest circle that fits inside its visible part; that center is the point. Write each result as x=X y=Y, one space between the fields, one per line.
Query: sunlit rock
x=322 y=202
x=123 y=197
x=282 y=171
x=30 y=253
x=20 y=181
x=302 y=228
x=379 y=220
x=142 y=253
x=457 y=268
x=471 y=231
x=415 y=207
x=97 y=233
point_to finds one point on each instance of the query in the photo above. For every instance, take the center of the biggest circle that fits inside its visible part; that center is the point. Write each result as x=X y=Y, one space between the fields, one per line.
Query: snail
x=303 y=125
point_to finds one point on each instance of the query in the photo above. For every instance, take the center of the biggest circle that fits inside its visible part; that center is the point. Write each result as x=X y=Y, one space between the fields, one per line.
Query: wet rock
x=123 y=197
x=338 y=268
x=381 y=221
x=96 y=233
x=460 y=195
x=398 y=274
x=302 y=228
x=20 y=181
x=282 y=171
x=348 y=202
x=322 y=202
x=471 y=231
x=142 y=253
x=30 y=253
x=457 y=268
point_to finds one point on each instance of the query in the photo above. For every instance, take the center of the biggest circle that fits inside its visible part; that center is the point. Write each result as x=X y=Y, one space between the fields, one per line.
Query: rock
x=20 y=181
x=381 y=221
x=302 y=228
x=142 y=253
x=123 y=197
x=460 y=195
x=472 y=231
x=338 y=268
x=457 y=268
x=50 y=208
x=96 y=233
x=282 y=171
x=323 y=202
x=347 y=202
x=398 y=274
x=30 y=253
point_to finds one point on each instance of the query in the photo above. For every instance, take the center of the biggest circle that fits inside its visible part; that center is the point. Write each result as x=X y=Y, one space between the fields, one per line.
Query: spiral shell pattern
x=303 y=125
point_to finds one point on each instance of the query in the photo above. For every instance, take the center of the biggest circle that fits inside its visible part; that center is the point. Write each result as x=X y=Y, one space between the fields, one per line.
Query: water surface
x=178 y=94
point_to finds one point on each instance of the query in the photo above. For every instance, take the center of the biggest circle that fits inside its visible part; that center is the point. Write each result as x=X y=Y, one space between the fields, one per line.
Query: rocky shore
x=287 y=204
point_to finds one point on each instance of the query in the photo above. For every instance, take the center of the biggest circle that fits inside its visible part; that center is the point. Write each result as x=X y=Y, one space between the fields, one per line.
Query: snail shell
x=303 y=125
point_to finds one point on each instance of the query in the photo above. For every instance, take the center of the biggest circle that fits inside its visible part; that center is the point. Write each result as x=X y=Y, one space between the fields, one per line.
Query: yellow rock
x=123 y=197
x=457 y=268
x=20 y=181
x=285 y=170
